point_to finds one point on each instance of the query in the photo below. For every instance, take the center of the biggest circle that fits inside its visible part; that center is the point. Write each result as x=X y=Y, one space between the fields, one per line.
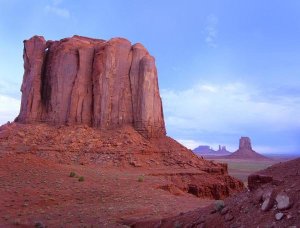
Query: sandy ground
x=34 y=190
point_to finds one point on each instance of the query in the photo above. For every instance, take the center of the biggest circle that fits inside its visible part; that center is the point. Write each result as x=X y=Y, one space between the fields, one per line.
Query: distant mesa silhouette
x=204 y=150
x=245 y=151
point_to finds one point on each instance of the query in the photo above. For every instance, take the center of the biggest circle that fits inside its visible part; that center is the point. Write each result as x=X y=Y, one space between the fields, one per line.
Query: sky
x=227 y=68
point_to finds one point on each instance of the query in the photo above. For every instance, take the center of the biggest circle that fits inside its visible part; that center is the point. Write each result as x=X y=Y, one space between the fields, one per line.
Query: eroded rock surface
x=103 y=84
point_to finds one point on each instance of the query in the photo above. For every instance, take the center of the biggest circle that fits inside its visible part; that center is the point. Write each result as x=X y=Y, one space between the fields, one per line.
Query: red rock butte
x=102 y=84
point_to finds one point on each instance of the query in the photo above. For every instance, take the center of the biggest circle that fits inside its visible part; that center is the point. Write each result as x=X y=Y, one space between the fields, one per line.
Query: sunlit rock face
x=103 y=84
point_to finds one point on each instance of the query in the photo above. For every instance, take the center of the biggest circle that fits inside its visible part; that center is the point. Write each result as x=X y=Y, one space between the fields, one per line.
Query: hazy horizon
x=226 y=69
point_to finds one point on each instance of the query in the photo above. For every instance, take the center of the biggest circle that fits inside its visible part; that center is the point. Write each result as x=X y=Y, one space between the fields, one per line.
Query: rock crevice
x=103 y=84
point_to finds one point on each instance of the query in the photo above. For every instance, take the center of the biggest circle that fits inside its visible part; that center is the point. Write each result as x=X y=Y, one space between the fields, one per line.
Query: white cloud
x=229 y=108
x=9 y=108
x=57 y=2
x=56 y=9
x=211 y=30
x=189 y=143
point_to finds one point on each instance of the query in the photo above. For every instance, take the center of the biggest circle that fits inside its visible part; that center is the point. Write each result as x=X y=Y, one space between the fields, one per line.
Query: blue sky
x=227 y=68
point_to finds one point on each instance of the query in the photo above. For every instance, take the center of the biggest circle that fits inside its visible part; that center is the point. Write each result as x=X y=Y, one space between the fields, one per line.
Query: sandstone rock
x=255 y=181
x=267 y=204
x=283 y=201
x=257 y=196
x=279 y=216
x=245 y=151
x=224 y=211
x=103 y=84
x=228 y=217
x=245 y=143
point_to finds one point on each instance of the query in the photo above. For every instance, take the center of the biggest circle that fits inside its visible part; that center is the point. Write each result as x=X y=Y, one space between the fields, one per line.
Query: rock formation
x=103 y=84
x=245 y=143
x=208 y=152
x=245 y=151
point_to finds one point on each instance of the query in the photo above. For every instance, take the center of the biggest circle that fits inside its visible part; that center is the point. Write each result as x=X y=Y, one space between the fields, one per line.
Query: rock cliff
x=102 y=84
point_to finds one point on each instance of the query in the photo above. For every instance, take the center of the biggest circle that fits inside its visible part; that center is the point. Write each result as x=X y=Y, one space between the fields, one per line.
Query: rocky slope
x=79 y=80
x=272 y=201
x=124 y=148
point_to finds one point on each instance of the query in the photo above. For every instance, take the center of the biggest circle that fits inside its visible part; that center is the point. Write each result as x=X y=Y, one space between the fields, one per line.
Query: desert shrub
x=219 y=205
x=72 y=174
x=141 y=178
x=81 y=178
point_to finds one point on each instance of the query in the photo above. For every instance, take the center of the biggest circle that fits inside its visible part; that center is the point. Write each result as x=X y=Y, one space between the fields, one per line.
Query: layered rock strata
x=102 y=84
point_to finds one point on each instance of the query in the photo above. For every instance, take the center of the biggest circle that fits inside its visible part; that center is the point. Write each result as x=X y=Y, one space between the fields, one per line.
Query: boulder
x=283 y=201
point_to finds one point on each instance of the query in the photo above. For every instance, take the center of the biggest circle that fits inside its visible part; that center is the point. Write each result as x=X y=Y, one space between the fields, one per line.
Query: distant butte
x=245 y=151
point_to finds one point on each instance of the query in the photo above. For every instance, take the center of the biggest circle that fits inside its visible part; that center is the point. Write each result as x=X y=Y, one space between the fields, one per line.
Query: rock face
x=245 y=143
x=245 y=151
x=103 y=84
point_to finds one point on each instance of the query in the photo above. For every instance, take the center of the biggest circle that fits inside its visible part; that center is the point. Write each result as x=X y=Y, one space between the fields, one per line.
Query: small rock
x=267 y=194
x=279 y=216
x=267 y=204
x=283 y=201
x=293 y=185
x=289 y=216
x=39 y=225
x=228 y=217
x=257 y=196
x=224 y=211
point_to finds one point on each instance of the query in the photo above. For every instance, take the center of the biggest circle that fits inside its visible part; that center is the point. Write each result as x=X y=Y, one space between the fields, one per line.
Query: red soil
x=127 y=177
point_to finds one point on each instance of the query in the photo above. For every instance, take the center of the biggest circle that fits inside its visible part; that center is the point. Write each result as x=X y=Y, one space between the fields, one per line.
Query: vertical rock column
x=150 y=120
x=111 y=84
x=34 y=52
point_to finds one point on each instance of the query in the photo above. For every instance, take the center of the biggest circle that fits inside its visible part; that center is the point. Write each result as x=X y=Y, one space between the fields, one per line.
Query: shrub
x=81 y=178
x=141 y=179
x=219 y=205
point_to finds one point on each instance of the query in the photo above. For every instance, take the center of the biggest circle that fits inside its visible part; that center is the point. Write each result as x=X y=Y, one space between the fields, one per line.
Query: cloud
x=221 y=113
x=190 y=143
x=232 y=106
x=9 y=108
x=57 y=2
x=211 y=30
x=56 y=9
